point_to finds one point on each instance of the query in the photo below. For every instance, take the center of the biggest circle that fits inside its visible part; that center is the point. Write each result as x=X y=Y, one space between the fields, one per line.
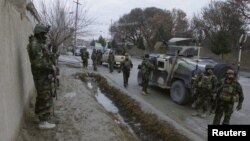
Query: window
x=160 y=64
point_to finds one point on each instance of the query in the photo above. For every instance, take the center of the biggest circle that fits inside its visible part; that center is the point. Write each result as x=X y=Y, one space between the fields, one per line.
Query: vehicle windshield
x=186 y=46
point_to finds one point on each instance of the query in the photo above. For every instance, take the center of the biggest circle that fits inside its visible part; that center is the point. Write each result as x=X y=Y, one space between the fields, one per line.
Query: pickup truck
x=118 y=58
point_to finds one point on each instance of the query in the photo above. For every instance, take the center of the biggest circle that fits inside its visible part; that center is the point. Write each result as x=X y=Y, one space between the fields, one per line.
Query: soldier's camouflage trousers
x=225 y=108
x=203 y=102
x=44 y=100
x=145 y=80
x=85 y=63
x=95 y=65
x=125 y=77
x=111 y=66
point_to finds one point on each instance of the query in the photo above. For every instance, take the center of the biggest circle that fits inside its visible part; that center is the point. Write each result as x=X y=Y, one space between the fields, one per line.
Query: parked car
x=118 y=58
x=77 y=50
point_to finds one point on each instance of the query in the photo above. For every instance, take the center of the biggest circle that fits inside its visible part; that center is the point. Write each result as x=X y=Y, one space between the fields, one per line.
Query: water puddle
x=107 y=104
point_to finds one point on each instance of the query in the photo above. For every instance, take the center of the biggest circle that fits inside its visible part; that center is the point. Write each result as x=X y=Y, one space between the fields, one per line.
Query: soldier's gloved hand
x=239 y=106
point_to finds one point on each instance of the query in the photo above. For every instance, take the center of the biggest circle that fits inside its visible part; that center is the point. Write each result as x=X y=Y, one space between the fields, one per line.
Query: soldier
x=146 y=67
x=195 y=74
x=204 y=86
x=42 y=69
x=85 y=57
x=126 y=66
x=99 y=57
x=94 y=59
x=111 y=61
x=229 y=92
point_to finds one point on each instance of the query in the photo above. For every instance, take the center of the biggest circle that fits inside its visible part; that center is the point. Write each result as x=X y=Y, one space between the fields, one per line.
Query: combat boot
x=194 y=105
x=46 y=125
x=143 y=93
x=204 y=115
x=196 y=113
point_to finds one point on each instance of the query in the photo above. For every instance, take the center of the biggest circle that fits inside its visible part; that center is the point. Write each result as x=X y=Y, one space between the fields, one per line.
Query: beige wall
x=16 y=81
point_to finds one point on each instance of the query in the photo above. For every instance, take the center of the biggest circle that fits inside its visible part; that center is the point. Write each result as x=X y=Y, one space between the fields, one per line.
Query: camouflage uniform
x=205 y=85
x=126 y=66
x=146 y=68
x=229 y=92
x=42 y=69
x=195 y=74
x=85 y=57
x=99 y=57
x=111 y=61
x=94 y=59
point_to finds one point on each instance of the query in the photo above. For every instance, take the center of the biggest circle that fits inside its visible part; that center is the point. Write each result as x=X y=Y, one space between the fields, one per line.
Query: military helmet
x=230 y=71
x=40 y=28
x=208 y=66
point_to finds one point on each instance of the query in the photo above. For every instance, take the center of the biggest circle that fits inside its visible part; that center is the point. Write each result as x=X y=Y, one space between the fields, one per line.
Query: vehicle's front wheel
x=179 y=92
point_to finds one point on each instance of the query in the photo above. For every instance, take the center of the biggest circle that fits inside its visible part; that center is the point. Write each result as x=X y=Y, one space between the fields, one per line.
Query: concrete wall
x=16 y=81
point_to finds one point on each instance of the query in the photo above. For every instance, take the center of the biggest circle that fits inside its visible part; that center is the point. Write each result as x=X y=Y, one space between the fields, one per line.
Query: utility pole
x=242 y=41
x=77 y=3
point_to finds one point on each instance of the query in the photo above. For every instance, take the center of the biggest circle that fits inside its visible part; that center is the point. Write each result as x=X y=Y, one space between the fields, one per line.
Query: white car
x=118 y=58
x=78 y=49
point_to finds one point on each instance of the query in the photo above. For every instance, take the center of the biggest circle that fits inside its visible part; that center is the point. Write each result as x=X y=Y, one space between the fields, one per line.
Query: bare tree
x=223 y=25
x=58 y=15
x=242 y=6
x=180 y=21
x=144 y=27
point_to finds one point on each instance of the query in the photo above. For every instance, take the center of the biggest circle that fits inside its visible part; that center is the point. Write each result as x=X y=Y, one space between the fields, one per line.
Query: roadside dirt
x=146 y=125
x=78 y=115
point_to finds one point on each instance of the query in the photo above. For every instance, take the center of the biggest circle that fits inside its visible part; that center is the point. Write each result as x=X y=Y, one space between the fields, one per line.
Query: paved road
x=161 y=104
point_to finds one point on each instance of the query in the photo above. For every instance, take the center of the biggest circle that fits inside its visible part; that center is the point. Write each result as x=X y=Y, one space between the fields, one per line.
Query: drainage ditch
x=146 y=126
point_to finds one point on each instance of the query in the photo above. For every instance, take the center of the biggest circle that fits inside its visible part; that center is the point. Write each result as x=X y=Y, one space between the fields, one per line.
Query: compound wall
x=16 y=81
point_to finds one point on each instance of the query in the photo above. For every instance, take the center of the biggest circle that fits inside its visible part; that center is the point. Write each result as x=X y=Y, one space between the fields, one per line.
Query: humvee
x=175 y=70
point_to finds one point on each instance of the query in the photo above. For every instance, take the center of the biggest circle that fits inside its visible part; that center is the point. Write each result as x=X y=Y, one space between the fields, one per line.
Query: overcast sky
x=106 y=10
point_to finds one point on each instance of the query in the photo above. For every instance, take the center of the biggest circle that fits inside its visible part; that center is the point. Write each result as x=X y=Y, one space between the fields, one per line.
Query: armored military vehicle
x=175 y=70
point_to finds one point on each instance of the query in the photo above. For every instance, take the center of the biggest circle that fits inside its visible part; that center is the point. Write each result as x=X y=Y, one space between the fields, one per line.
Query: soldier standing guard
x=146 y=67
x=42 y=68
x=229 y=92
x=85 y=57
x=99 y=57
x=205 y=85
x=94 y=59
x=111 y=61
x=126 y=66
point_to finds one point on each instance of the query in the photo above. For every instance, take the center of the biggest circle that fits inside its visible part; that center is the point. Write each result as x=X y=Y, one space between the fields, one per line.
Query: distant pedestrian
x=111 y=61
x=99 y=57
x=94 y=59
x=146 y=67
x=126 y=66
x=85 y=57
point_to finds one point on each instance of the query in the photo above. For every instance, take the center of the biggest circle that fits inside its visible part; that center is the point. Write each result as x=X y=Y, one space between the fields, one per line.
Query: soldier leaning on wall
x=42 y=68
